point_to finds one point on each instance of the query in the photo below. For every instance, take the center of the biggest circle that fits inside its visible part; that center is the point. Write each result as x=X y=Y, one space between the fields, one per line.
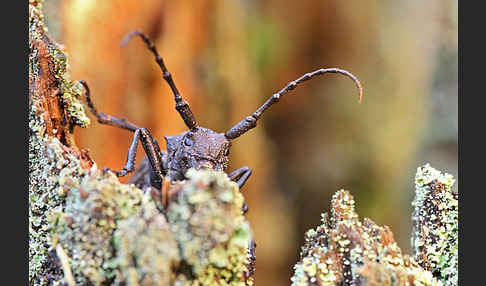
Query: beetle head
x=197 y=148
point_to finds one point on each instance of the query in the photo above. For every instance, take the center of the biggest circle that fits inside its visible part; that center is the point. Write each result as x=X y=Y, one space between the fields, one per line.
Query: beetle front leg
x=153 y=152
x=132 y=152
x=240 y=176
x=251 y=265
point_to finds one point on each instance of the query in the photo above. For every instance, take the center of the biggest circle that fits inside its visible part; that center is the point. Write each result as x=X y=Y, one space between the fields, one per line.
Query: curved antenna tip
x=356 y=81
x=360 y=88
x=129 y=36
x=360 y=94
x=353 y=78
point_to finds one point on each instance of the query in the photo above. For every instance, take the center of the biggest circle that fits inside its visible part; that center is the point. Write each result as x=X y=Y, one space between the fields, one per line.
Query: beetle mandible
x=198 y=147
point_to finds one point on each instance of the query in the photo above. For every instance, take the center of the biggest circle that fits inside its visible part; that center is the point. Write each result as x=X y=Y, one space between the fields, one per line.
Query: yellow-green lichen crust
x=345 y=251
x=207 y=221
x=147 y=252
x=435 y=221
x=110 y=233
x=86 y=224
x=51 y=165
x=70 y=92
x=50 y=169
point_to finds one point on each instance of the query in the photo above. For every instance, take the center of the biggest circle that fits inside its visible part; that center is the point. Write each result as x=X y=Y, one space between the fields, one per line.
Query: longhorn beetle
x=198 y=147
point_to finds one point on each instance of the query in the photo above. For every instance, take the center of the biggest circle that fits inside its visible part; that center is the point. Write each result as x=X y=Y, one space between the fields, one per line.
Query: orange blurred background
x=228 y=57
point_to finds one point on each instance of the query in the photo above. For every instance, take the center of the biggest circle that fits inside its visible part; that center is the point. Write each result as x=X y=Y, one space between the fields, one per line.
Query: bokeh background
x=227 y=57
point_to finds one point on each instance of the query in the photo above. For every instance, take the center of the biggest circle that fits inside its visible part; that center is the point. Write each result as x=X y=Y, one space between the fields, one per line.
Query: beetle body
x=198 y=147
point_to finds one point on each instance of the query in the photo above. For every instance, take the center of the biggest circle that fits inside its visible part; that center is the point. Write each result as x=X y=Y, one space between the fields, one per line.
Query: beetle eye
x=187 y=141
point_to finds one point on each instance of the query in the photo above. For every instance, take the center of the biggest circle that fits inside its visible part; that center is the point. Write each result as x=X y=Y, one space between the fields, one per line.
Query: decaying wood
x=86 y=228
x=346 y=251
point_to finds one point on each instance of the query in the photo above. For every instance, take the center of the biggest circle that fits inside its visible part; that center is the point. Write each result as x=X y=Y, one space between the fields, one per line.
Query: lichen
x=86 y=224
x=50 y=168
x=36 y=19
x=435 y=221
x=52 y=165
x=70 y=92
x=213 y=235
x=86 y=228
x=147 y=251
x=113 y=234
x=36 y=29
x=71 y=206
x=345 y=251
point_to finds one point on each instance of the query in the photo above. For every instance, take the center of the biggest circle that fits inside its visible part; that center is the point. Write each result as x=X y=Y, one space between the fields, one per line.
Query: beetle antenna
x=250 y=121
x=181 y=105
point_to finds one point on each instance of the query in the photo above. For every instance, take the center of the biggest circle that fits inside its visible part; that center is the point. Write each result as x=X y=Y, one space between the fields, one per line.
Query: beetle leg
x=155 y=196
x=164 y=193
x=144 y=176
x=240 y=176
x=251 y=266
x=141 y=177
x=104 y=118
x=154 y=156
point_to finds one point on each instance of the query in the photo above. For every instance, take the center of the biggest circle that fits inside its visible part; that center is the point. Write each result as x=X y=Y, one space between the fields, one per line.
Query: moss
x=345 y=251
x=213 y=236
x=435 y=221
